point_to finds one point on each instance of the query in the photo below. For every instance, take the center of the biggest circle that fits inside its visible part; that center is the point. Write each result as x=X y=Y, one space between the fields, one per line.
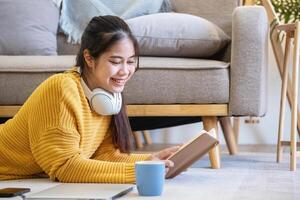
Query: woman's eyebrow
x=120 y=57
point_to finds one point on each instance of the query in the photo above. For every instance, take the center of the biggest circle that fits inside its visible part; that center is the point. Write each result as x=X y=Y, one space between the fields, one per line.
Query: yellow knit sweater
x=57 y=134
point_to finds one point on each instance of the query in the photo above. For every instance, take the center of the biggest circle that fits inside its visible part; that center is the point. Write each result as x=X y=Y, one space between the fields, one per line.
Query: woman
x=60 y=131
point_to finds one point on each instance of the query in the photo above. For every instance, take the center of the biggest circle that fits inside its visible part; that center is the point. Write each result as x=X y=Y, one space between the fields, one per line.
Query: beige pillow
x=177 y=34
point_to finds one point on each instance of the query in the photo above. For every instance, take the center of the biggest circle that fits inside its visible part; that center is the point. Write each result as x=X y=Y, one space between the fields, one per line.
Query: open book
x=191 y=152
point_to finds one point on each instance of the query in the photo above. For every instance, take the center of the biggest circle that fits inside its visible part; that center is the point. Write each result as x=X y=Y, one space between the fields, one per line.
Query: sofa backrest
x=216 y=11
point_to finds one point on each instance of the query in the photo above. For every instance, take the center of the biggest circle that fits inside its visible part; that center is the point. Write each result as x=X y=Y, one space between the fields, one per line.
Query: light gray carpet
x=254 y=176
x=247 y=176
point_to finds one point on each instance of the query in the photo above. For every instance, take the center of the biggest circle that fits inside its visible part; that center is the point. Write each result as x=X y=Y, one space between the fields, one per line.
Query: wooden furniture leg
x=228 y=135
x=292 y=31
x=236 y=129
x=214 y=154
x=283 y=97
x=147 y=137
x=295 y=97
x=137 y=139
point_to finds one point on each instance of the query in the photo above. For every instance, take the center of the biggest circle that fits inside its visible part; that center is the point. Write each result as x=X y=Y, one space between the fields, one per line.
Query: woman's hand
x=164 y=154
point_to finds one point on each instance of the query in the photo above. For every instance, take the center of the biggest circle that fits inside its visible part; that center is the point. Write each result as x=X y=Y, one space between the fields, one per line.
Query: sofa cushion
x=28 y=27
x=168 y=39
x=177 y=35
x=198 y=81
x=76 y=14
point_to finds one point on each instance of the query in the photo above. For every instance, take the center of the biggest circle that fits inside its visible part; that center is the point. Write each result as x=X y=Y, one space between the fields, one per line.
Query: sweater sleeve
x=108 y=152
x=58 y=154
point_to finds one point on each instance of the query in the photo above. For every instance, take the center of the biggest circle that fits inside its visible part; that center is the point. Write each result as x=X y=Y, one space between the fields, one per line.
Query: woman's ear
x=89 y=60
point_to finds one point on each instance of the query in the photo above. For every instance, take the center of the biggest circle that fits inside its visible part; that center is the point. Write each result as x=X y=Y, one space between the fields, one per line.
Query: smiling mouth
x=118 y=81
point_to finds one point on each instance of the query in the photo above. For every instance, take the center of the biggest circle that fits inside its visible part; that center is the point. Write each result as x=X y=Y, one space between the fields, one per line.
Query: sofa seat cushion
x=158 y=81
x=41 y=64
x=180 y=63
x=169 y=86
x=162 y=80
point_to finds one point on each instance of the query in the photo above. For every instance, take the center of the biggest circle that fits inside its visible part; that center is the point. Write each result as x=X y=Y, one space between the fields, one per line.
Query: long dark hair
x=100 y=34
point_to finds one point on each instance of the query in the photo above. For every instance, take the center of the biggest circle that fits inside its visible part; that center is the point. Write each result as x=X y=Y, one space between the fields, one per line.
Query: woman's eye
x=114 y=62
x=131 y=62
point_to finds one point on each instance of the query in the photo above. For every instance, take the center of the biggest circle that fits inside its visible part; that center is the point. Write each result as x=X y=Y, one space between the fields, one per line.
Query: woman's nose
x=124 y=70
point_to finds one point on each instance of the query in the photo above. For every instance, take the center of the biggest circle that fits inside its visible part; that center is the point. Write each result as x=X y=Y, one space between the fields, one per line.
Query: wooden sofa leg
x=236 y=128
x=137 y=139
x=228 y=135
x=147 y=137
x=214 y=154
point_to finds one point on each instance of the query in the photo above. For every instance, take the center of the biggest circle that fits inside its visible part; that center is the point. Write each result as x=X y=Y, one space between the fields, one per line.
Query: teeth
x=118 y=80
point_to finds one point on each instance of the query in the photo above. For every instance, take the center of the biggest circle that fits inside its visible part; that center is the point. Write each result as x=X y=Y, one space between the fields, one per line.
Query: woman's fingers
x=167 y=170
x=169 y=163
x=174 y=149
x=164 y=154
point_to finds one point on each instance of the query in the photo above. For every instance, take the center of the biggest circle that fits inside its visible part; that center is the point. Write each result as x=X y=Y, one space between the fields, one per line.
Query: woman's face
x=113 y=68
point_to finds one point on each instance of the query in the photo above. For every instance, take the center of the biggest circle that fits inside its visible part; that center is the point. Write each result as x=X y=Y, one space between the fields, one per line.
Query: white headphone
x=101 y=101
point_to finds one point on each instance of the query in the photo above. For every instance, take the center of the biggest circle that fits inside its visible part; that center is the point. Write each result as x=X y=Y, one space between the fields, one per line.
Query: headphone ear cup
x=102 y=102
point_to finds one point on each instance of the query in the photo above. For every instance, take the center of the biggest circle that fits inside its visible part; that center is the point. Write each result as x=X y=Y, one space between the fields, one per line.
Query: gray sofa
x=234 y=78
x=237 y=76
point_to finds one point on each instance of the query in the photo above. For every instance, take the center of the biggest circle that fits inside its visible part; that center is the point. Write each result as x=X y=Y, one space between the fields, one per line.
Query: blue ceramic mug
x=150 y=177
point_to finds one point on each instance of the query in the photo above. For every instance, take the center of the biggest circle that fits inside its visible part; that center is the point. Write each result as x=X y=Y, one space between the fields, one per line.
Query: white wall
x=263 y=133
